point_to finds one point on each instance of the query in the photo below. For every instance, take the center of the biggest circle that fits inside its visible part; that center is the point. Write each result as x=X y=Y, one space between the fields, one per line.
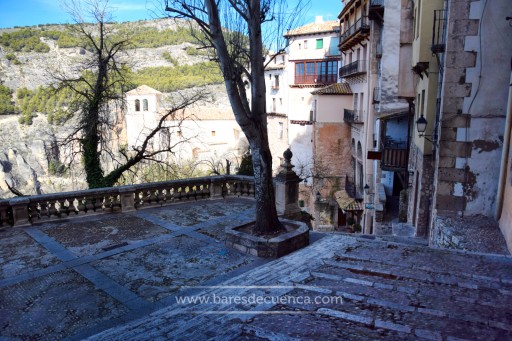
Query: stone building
x=313 y=62
x=331 y=158
x=276 y=83
x=371 y=37
x=205 y=134
x=473 y=112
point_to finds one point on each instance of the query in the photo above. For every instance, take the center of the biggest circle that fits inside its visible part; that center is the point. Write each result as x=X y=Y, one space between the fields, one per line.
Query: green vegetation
x=142 y=36
x=28 y=39
x=167 y=56
x=6 y=104
x=246 y=167
x=43 y=100
x=167 y=79
x=12 y=57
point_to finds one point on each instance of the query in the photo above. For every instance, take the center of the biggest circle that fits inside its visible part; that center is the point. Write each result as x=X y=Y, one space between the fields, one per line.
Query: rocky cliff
x=31 y=158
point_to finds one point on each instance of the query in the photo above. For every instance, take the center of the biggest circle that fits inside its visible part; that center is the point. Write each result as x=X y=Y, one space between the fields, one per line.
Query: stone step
x=414 y=297
x=460 y=279
x=491 y=267
x=367 y=309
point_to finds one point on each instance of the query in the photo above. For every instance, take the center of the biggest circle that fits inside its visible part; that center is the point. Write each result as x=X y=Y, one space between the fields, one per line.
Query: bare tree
x=233 y=28
x=99 y=87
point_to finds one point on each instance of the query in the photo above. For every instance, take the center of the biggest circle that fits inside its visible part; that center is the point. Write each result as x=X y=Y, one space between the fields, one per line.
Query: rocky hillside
x=30 y=158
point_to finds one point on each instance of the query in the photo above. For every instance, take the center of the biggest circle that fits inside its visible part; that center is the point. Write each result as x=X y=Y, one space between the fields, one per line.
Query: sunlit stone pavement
x=125 y=276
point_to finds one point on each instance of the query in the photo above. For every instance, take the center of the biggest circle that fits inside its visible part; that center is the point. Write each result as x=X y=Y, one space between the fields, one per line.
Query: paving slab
x=164 y=273
x=156 y=271
x=54 y=306
x=19 y=254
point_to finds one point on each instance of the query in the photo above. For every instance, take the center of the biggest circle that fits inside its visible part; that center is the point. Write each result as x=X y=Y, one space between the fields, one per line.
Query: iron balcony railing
x=360 y=24
x=354 y=68
x=377 y=3
x=439 y=31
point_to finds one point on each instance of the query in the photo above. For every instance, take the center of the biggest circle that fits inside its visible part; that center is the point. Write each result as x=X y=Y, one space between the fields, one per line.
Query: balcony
x=353 y=116
x=355 y=68
x=355 y=34
x=321 y=79
x=439 y=32
x=394 y=156
x=376 y=10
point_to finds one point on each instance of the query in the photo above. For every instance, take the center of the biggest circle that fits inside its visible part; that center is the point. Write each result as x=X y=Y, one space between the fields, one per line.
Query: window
x=195 y=153
x=274 y=105
x=281 y=130
x=145 y=104
x=214 y=133
x=319 y=44
x=300 y=46
x=311 y=72
x=276 y=82
x=137 y=105
x=305 y=44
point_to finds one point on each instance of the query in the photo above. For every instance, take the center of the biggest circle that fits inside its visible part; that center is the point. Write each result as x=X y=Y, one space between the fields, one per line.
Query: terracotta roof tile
x=324 y=27
x=143 y=90
x=334 y=89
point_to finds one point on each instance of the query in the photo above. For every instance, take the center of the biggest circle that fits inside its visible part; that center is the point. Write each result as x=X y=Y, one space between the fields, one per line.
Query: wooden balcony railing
x=316 y=79
x=394 y=158
x=47 y=207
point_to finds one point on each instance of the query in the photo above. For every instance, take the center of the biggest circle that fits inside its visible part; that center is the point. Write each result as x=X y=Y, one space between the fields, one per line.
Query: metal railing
x=376 y=3
x=439 y=31
x=353 y=68
x=47 y=207
x=360 y=24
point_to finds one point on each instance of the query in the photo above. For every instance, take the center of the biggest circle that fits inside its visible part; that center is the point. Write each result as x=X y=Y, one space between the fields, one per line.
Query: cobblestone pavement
x=164 y=274
x=76 y=277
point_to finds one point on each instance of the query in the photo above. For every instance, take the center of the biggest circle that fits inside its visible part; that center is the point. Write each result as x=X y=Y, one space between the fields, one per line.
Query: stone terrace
x=119 y=277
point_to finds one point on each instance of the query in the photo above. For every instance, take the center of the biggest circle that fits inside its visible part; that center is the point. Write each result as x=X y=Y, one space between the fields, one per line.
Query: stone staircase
x=391 y=290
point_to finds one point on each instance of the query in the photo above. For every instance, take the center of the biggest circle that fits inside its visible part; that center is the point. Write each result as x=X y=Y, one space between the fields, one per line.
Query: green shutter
x=319 y=43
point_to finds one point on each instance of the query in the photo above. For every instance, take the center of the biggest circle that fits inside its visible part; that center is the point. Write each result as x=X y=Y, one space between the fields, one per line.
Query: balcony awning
x=347 y=203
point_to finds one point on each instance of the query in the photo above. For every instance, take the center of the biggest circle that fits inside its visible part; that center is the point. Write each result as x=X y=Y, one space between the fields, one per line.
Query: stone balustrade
x=27 y=210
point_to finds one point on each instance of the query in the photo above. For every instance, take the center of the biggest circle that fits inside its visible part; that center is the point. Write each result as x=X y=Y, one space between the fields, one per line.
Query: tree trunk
x=90 y=142
x=267 y=221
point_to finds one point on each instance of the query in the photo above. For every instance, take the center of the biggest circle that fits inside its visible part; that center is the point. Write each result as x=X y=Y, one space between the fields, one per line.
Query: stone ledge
x=296 y=237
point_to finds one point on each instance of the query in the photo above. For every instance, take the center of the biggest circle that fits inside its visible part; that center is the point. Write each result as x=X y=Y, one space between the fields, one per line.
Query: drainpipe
x=506 y=147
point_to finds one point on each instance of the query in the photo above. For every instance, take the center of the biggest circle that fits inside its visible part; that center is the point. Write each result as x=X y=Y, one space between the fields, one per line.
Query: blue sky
x=34 y=12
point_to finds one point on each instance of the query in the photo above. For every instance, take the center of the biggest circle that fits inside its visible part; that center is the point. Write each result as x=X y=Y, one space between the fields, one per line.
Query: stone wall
x=473 y=110
x=420 y=194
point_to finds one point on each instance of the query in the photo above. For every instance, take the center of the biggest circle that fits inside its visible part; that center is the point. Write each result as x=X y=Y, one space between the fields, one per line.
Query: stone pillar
x=216 y=188
x=286 y=185
x=127 y=198
x=20 y=211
